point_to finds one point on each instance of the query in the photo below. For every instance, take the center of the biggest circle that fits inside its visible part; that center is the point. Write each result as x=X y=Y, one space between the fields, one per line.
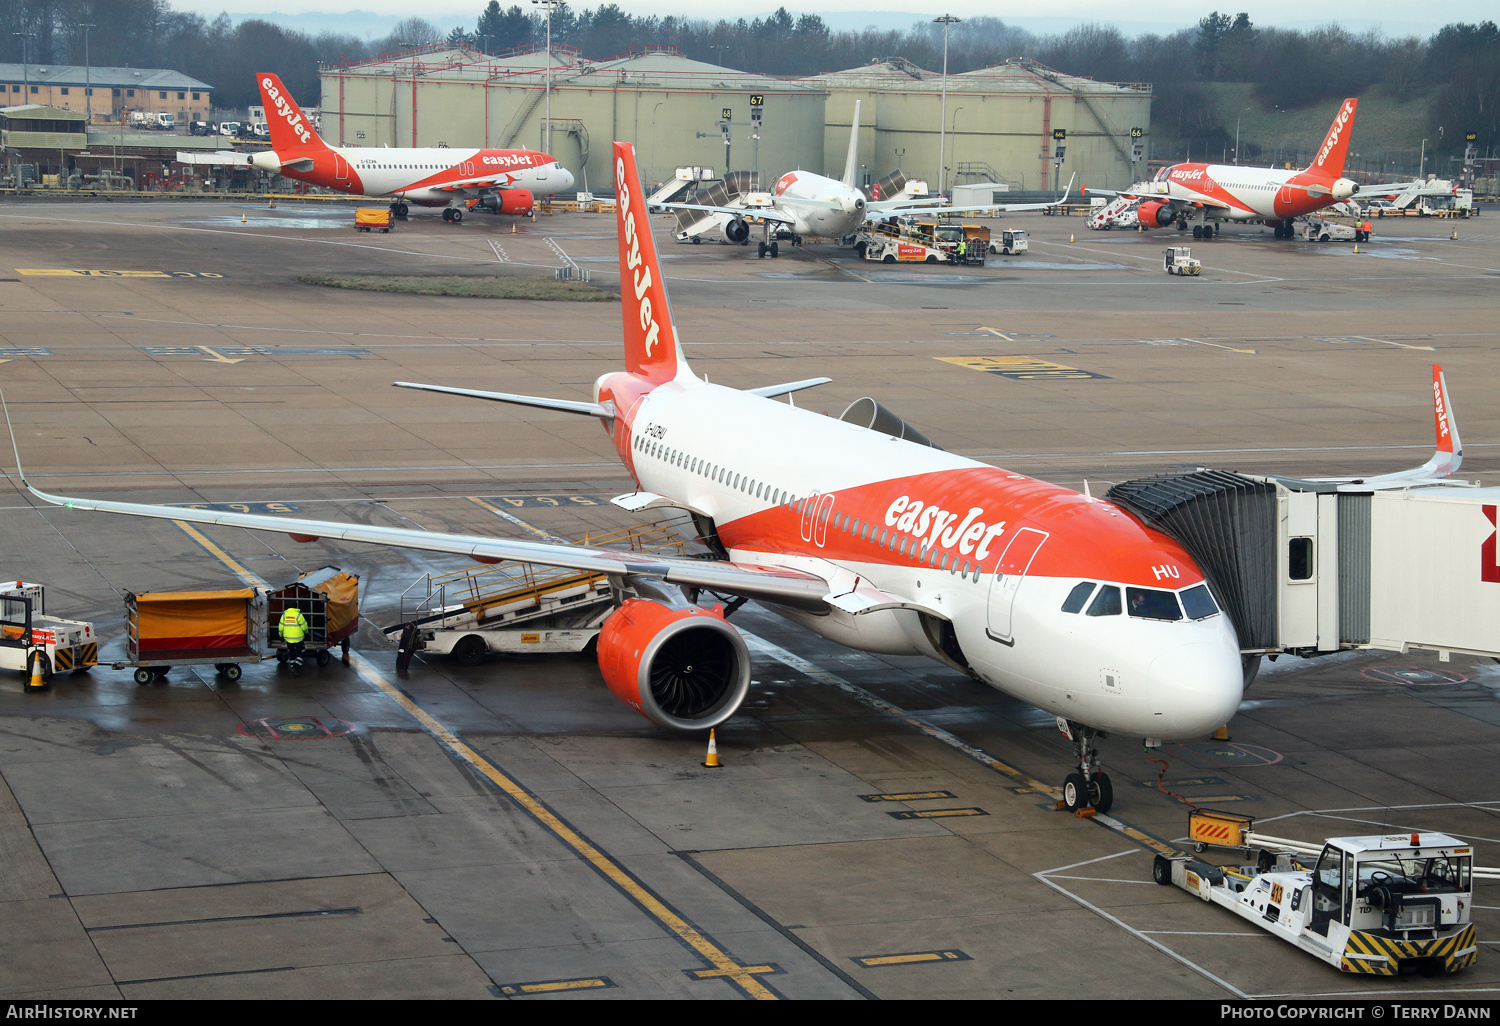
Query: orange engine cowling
x=682 y=667
x=1158 y=215
x=513 y=201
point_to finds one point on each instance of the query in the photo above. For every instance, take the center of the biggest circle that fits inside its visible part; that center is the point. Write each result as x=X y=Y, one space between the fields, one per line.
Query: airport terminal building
x=1000 y=128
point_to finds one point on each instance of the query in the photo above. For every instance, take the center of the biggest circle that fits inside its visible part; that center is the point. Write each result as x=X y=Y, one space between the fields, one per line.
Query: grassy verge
x=508 y=287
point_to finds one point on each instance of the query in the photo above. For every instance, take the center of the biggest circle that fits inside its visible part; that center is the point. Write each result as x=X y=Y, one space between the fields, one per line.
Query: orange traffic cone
x=1070 y=236
x=38 y=682
x=242 y=219
x=513 y=227
x=1222 y=734
x=713 y=753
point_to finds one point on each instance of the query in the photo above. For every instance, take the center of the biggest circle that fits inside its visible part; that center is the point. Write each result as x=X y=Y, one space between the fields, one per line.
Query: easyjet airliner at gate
x=865 y=532
x=502 y=181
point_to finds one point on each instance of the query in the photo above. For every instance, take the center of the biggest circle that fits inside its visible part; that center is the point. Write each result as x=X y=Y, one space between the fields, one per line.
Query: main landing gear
x=1090 y=788
x=453 y=214
x=398 y=210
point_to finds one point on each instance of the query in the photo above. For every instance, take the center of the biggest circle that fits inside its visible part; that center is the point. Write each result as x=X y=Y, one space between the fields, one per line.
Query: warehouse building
x=999 y=124
x=1000 y=120
x=109 y=92
x=666 y=104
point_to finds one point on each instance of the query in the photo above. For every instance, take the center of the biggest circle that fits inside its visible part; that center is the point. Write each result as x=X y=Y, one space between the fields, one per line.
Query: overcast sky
x=1395 y=17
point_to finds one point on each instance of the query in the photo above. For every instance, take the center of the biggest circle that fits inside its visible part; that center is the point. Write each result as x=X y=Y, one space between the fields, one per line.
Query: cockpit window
x=1078 y=596
x=1152 y=604
x=1198 y=603
x=1106 y=603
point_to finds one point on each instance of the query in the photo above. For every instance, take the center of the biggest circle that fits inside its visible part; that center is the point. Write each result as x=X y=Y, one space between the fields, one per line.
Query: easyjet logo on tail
x=286 y=109
x=640 y=273
x=1345 y=113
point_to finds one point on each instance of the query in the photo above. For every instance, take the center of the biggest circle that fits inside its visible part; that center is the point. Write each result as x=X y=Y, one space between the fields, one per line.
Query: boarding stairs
x=673 y=189
x=692 y=224
x=1105 y=216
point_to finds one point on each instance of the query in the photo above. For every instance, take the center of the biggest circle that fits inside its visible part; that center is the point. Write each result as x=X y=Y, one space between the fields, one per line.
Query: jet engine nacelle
x=1158 y=215
x=508 y=201
x=1343 y=188
x=736 y=231
x=682 y=667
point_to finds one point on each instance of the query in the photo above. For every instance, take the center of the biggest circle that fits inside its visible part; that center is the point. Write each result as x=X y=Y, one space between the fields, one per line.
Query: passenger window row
x=858 y=529
x=1146 y=603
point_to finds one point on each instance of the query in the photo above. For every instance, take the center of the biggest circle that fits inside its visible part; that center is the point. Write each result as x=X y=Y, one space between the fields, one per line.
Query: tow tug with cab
x=1378 y=905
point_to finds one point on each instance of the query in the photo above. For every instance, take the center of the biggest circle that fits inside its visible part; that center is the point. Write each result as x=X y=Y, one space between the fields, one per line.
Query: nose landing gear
x=1090 y=788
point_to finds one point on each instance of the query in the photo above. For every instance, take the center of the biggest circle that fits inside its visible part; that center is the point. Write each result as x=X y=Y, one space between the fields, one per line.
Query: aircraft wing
x=480 y=184
x=773 y=584
x=1447 y=456
x=766 y=214
x=886 y=208
x=1404 y=189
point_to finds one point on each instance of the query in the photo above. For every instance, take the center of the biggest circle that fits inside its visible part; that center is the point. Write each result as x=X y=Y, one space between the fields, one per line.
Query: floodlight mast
x=944 y=21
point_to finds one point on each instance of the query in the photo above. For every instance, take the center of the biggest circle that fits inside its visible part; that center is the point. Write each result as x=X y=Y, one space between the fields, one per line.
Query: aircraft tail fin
x=851 y=163
x=1335 y=148
x=1444 y=424
x=652 y=351
x=291 y=131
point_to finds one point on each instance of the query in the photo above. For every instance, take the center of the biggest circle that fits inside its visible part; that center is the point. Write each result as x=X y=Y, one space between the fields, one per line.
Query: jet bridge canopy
x=1312 y=567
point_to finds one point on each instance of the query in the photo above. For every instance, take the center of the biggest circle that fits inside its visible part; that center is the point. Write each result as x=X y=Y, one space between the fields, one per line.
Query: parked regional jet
x=1182 y=192
x=502 y=181
x=802 y=203
x=865 y=532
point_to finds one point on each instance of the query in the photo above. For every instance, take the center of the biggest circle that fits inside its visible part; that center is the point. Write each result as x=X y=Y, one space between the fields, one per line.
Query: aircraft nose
x=568 y=178
x=1197 y=687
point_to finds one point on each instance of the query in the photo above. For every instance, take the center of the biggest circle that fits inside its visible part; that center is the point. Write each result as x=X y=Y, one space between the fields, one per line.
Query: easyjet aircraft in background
x=866 y=533
x=1183 y=192
x=502 y=181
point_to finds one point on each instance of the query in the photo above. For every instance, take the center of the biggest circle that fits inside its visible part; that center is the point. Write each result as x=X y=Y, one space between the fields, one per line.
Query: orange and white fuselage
x=1237 y=193
x=427 y=176
x=994 y=553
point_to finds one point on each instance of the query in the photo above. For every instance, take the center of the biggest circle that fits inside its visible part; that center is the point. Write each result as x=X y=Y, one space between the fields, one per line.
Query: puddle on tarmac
x=262 y=218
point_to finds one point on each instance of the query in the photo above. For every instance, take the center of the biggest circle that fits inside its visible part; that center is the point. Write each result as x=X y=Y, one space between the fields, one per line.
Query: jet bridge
x=1313 y=567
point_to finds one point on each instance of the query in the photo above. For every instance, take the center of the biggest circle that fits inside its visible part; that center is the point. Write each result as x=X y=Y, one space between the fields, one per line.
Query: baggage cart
x=329 y=599
x=193 y=628
x=372 y=219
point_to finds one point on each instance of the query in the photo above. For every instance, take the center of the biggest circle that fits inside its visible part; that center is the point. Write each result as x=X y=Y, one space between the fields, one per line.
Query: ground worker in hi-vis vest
x=294 y=632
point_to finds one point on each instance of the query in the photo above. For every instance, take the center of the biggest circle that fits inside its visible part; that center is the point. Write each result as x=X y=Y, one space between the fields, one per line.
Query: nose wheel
x=1090 y=787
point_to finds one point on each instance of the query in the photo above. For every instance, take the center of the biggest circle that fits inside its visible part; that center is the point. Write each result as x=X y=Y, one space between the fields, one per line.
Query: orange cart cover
x=191 y=620
x=377 y=216
x=343 y=600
